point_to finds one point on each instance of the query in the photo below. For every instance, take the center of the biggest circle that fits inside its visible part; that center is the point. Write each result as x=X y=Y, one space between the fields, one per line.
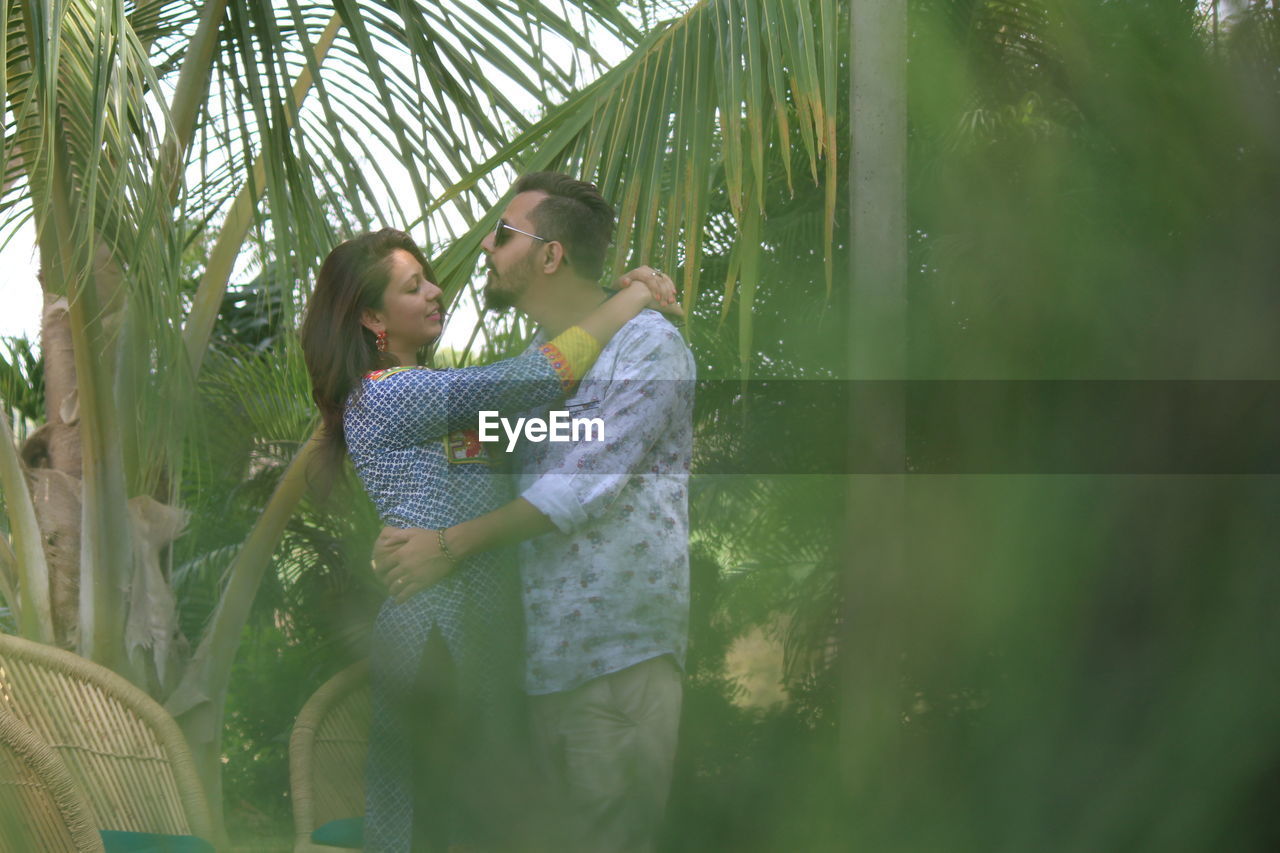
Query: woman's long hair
x=338 y=349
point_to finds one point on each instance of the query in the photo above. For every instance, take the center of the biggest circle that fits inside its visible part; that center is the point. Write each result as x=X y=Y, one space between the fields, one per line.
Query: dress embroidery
x=560 y=363
x=379 y=375
x=463 y=445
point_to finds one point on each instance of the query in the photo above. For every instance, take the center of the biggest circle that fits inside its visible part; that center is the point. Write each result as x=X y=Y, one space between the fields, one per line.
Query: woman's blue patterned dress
x=411 y=434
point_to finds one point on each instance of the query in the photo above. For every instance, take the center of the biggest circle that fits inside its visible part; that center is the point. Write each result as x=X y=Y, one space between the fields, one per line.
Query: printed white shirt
x=610 y=587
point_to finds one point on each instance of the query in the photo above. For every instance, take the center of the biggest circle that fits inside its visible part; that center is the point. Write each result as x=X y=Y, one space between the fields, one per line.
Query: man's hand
x=662 y=290
x=409 y=561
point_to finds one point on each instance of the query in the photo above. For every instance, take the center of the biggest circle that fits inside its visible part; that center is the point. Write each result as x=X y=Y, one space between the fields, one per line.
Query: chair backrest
x=125 y=752
x=327 y=752
x=41 y=807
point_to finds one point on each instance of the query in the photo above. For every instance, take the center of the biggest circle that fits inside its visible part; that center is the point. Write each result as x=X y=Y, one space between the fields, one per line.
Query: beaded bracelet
x=444 y=549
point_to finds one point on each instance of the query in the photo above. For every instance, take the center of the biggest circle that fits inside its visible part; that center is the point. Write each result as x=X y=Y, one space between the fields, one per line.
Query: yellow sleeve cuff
x=571 y=353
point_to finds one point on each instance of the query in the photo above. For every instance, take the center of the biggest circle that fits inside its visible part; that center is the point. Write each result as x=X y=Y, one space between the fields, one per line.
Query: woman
x=445 y=659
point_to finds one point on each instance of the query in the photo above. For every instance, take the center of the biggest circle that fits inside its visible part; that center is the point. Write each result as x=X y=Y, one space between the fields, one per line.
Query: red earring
x=381 y=335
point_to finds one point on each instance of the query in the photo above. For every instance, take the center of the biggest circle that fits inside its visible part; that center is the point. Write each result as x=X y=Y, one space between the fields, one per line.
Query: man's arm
x=410 y=560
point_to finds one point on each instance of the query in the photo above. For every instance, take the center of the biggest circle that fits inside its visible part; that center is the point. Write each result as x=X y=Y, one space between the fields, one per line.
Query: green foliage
x=1076 y=656
x=21 y=384
x=1095 y=213
x=268 y=687
x=315 y=607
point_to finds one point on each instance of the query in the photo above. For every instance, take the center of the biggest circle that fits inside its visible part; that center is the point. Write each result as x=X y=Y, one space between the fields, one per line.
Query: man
x=605 y=581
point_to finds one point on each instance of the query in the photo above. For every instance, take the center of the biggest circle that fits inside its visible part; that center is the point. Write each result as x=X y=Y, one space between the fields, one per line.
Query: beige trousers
x=605 y=750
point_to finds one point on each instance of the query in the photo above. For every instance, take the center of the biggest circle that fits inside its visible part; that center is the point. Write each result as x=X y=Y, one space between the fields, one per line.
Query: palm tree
x=136 y=131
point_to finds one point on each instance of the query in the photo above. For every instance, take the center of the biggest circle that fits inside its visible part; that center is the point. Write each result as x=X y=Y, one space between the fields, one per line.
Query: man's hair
x=575 y=215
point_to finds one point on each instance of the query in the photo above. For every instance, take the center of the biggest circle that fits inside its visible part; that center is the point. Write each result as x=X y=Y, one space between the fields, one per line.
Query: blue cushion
x=348 y=832
x=116 y=841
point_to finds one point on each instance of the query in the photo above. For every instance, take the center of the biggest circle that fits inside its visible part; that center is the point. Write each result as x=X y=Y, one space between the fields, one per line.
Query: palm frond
x=21 y=383
x=706 y=104
x=26 y=583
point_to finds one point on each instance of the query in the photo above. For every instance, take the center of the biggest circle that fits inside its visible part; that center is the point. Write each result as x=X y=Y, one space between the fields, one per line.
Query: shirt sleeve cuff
x=550 y=495
x=571 y=354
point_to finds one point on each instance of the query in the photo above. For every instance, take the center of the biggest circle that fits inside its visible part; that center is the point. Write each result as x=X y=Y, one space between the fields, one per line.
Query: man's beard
x=498 y=297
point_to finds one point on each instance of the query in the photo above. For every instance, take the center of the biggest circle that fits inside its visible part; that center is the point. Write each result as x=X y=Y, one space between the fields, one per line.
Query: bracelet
x=444 y=549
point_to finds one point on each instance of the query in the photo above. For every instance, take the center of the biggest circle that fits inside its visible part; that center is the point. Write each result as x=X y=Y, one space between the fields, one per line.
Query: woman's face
x=410 y=313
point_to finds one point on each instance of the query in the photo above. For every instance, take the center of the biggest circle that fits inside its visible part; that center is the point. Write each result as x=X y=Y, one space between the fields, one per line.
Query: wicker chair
x=123 y=750
x=41 y=807
x=326 y=755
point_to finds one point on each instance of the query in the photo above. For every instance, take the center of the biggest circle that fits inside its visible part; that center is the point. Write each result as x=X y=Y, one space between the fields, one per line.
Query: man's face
x=510 y=256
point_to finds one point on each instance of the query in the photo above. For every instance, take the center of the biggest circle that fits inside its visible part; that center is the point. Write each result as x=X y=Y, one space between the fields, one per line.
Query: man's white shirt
x=610 y=588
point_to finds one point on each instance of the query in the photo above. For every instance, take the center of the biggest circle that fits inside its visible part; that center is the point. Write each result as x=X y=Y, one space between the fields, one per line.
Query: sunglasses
x=502 y=229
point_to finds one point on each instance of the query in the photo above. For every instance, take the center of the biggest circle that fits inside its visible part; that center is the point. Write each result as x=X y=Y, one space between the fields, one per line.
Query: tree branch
x=213 y=284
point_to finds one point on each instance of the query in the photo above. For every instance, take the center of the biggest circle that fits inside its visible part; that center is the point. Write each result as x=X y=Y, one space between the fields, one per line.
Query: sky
x=21 y=291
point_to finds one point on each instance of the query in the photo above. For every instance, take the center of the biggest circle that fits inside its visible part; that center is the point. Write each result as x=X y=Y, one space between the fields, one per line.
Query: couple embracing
x=526 y=666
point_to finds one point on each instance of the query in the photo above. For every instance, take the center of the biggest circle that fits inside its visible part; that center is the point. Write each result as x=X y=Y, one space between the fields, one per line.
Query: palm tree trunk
x=53 y=458
x=106 y=554
x=876 y=351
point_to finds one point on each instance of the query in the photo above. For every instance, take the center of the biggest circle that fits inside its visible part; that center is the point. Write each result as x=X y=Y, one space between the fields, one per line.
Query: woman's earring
x=381 y=335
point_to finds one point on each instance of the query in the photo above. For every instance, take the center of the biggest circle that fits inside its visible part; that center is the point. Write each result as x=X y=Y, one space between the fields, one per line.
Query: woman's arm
x=580 y=351
x=654 y=291
x=415 y=403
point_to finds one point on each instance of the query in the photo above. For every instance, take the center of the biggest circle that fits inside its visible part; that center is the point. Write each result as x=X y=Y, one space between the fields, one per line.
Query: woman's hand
x=409 y=561
x=662 y=290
